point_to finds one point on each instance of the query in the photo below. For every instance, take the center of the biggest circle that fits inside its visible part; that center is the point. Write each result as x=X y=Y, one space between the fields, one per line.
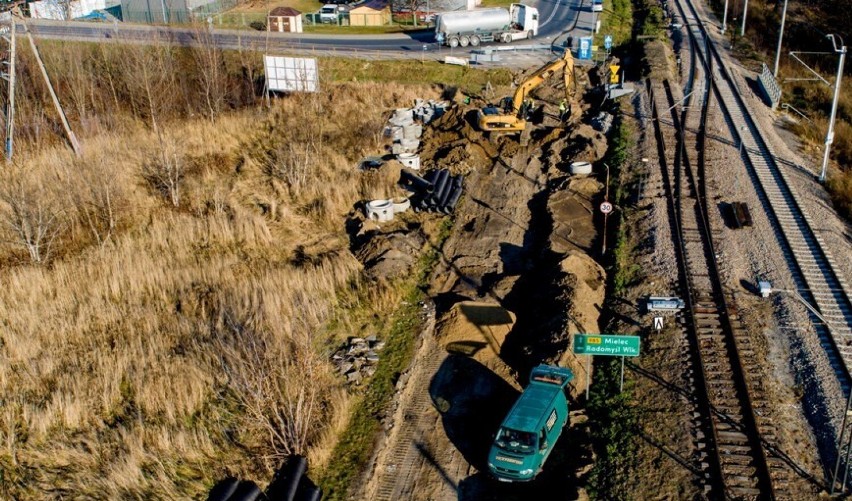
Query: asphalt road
x=558 y=19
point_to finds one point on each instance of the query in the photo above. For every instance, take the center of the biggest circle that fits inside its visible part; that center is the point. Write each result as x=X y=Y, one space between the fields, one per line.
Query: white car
x=329 y=13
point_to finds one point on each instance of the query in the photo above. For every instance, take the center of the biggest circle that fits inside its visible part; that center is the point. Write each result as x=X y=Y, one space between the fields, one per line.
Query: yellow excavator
x=510 y=116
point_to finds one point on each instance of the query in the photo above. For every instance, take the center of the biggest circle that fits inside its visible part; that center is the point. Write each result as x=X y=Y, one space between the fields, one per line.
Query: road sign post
x=611 y=345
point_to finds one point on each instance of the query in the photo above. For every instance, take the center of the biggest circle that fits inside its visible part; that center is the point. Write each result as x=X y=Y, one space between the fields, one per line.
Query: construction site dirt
x=515 y=279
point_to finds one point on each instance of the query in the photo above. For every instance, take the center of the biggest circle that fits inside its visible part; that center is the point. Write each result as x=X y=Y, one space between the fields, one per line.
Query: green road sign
x=612 y=345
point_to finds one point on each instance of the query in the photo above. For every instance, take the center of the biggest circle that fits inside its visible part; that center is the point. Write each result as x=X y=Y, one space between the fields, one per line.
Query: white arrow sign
x=658 y=323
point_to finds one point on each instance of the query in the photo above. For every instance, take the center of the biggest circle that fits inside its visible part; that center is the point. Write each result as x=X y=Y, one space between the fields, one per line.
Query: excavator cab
x=513 y=116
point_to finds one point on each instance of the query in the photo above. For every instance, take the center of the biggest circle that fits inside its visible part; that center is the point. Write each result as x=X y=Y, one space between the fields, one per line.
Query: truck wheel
x=474 y=41
x=506 y=38
x=529 y=35
x=454 y=42
x=464 y=41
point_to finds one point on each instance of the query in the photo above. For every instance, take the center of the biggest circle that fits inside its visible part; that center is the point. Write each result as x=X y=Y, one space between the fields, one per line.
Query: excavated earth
x=515 y=278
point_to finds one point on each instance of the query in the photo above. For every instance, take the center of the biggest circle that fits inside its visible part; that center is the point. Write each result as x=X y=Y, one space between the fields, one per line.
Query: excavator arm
x=490 y=118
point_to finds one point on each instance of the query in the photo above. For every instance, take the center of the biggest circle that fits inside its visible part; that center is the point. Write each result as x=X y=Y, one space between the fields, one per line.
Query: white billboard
x=289 y=74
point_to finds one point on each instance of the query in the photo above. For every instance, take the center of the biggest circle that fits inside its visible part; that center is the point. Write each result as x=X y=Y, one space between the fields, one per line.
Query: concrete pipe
x=380 y=211
x=401 y=205
x=580 y=168
x=410 y=160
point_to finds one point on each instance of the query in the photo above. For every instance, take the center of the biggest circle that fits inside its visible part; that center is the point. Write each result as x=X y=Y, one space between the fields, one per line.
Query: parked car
x=329 y=13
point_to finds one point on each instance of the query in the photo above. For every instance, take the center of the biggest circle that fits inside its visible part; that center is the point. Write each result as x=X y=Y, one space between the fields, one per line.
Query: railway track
x=811 y=264
x=732 y=456
x=735 y=432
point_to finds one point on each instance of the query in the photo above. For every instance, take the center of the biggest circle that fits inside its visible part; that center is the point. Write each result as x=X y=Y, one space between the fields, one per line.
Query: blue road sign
x=585 y=51
x=608 y=42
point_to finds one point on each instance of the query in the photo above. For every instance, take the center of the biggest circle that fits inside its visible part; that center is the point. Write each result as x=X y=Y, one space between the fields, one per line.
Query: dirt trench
x=515 y=279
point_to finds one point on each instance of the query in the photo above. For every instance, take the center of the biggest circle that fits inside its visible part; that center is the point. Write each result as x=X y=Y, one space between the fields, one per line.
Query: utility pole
x=829 y=136
x=780 y=38
x=72 y=139
x=745 y=13
x=725 y=18
x=10 y=78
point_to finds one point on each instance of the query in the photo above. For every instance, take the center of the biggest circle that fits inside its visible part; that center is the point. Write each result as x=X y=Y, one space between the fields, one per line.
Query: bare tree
x=99 y=201
x=280 y=386
x=32 y=219
x=212 y=74
x=165 y=172
x=412 y=6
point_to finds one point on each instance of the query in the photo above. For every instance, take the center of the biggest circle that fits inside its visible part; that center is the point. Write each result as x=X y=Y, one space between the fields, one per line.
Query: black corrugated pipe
x=308 y=491
x=310 y=494
x=223 y=490
x=431 y=175
x=286 y=481
x=409 y=178
x=441 y=183
x=454 y=200
x=246 y=491
x=445 y=196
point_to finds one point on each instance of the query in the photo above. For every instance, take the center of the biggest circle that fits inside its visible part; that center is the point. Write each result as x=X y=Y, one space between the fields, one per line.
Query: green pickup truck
x=531 y=428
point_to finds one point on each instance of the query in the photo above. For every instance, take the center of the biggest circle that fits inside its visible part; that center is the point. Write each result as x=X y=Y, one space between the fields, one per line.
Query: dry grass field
x=170 y=298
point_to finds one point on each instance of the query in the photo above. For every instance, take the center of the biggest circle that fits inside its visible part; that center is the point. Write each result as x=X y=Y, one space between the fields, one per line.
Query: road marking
x=553 y=13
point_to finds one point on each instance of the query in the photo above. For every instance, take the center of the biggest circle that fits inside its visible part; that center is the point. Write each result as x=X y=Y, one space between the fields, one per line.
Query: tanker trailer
x=472 y=27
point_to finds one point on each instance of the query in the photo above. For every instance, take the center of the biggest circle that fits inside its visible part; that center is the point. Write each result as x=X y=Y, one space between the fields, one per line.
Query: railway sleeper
x=739 y=470
x=732 y=436
x=741 y=481
x=745 y=492
x=732 y=421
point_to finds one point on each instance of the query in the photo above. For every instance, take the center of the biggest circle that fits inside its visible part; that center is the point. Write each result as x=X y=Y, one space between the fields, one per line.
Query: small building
x=284 y=20
x=371 y=13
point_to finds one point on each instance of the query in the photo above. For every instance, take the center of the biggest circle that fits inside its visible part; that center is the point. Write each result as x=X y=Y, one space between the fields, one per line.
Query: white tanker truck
x=472 y=27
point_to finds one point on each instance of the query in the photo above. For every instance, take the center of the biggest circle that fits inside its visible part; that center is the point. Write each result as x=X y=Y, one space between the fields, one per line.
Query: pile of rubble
x=603 y=122
x=403 y=129
x=437 y=191
x=358 y=358
x=426 y=111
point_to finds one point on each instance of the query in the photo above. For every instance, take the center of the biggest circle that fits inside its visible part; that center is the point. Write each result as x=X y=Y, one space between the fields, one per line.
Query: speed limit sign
x=606 y=207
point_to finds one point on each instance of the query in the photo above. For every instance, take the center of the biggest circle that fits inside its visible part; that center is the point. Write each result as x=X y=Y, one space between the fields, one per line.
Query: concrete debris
x=426 y=111
x=402 y=128
x=357 y=359
x=438 y=191
x=603 y=122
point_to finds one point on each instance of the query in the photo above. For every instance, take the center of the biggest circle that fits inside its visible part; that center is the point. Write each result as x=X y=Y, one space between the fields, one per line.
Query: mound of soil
x=587 y=282
x=475 y=329
x=572 y=210
x=390 y=255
